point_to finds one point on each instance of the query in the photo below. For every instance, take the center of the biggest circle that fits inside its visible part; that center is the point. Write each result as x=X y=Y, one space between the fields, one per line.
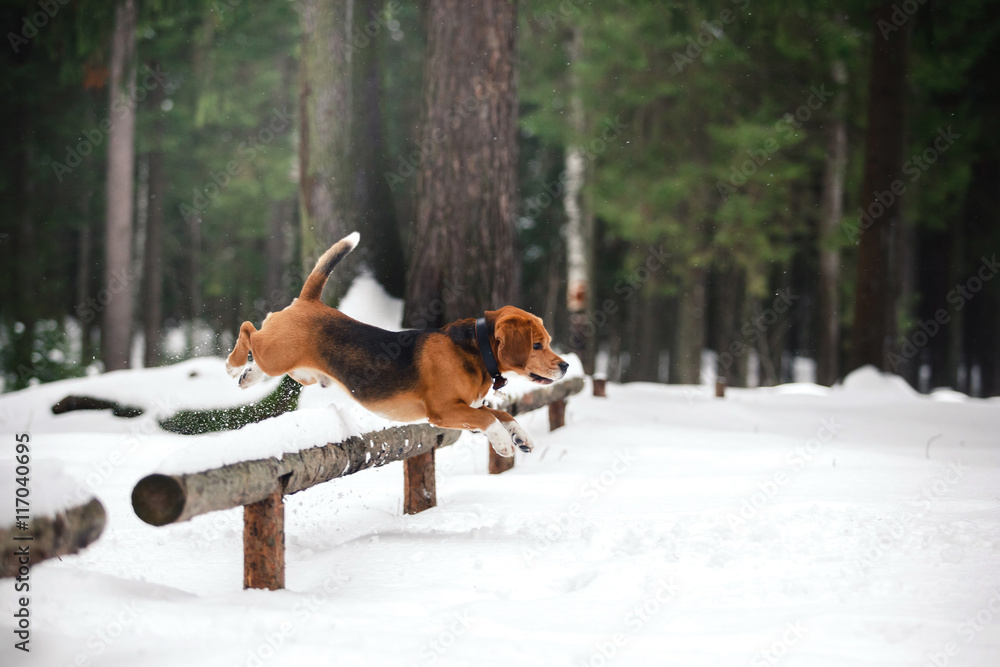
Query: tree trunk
x=26 y=253
x=152 y=300
x=381 y=250
x=874 y=310
x=194 y=278
x=903 y=263
x=615 y=339
x=689 y=333
x=83 y=286
x=732 y=345
x=326 y=181
x=278 y=288
x=116 y=330
x=832 y=210
x=463 y=259
x=955 y=328
x=579 y=235
x=281 y=283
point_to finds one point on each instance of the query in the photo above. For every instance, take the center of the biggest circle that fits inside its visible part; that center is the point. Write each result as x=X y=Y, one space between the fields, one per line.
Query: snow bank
x=367 y=301
x=47 y=484
x=870 y=380
x=195 y=384
x=273 y=438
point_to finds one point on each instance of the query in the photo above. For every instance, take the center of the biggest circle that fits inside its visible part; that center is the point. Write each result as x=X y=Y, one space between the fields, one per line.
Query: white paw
x=503 y=448
x=501 y=440
x=251 y=376
x=519 y=436
x=233 y=372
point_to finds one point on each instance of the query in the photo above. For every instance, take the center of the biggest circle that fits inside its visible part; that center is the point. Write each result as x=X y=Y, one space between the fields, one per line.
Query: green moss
x=193 y=422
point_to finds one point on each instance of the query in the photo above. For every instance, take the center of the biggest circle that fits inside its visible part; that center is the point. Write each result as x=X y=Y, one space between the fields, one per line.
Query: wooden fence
x=260 y=486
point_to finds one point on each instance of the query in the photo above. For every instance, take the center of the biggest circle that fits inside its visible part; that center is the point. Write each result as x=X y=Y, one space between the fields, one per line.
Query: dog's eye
x=537 y=346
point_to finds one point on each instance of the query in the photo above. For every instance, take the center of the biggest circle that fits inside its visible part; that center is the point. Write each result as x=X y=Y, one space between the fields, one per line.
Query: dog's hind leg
x=238 y=357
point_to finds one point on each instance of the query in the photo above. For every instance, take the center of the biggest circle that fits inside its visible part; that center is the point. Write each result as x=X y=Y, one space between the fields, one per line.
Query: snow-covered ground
x=795 y=526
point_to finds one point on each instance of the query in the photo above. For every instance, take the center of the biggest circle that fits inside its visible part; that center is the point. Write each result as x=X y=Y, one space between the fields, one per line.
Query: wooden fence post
x=557 y=414
x=600 y=387
x=264 y=543
x=499 y=464
x=720 y=388
x=419 y=484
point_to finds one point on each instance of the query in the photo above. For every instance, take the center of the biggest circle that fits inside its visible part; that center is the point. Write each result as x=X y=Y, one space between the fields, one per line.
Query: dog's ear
x=513 y=336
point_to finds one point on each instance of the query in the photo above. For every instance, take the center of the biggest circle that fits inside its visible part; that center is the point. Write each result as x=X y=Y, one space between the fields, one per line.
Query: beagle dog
x=437 y=374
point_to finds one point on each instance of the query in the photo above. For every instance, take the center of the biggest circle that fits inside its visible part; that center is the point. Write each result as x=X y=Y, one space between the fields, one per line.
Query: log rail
x=259 y=486
x=61 y=534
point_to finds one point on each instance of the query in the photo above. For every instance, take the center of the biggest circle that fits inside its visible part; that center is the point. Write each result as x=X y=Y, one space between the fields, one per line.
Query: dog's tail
x=325 y=265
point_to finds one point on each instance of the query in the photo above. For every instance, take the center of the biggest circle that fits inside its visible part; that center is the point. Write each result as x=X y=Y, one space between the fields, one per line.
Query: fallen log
x=160 y=499
x=73 y=402
x=65 y=533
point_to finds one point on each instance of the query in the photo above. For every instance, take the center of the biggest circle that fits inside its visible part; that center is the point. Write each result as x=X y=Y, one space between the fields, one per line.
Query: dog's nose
x=563 y=366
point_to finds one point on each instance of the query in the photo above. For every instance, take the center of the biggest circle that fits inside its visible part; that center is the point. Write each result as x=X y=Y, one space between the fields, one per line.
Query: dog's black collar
x=484 y=349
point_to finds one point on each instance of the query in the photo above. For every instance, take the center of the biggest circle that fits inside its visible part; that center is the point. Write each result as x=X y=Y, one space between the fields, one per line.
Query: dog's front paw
x=500 y=440
x=233 y=372
x=505 y=449
x=519 y=436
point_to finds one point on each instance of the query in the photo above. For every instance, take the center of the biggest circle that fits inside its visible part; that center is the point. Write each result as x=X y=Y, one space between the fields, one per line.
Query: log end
x=158 y=499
